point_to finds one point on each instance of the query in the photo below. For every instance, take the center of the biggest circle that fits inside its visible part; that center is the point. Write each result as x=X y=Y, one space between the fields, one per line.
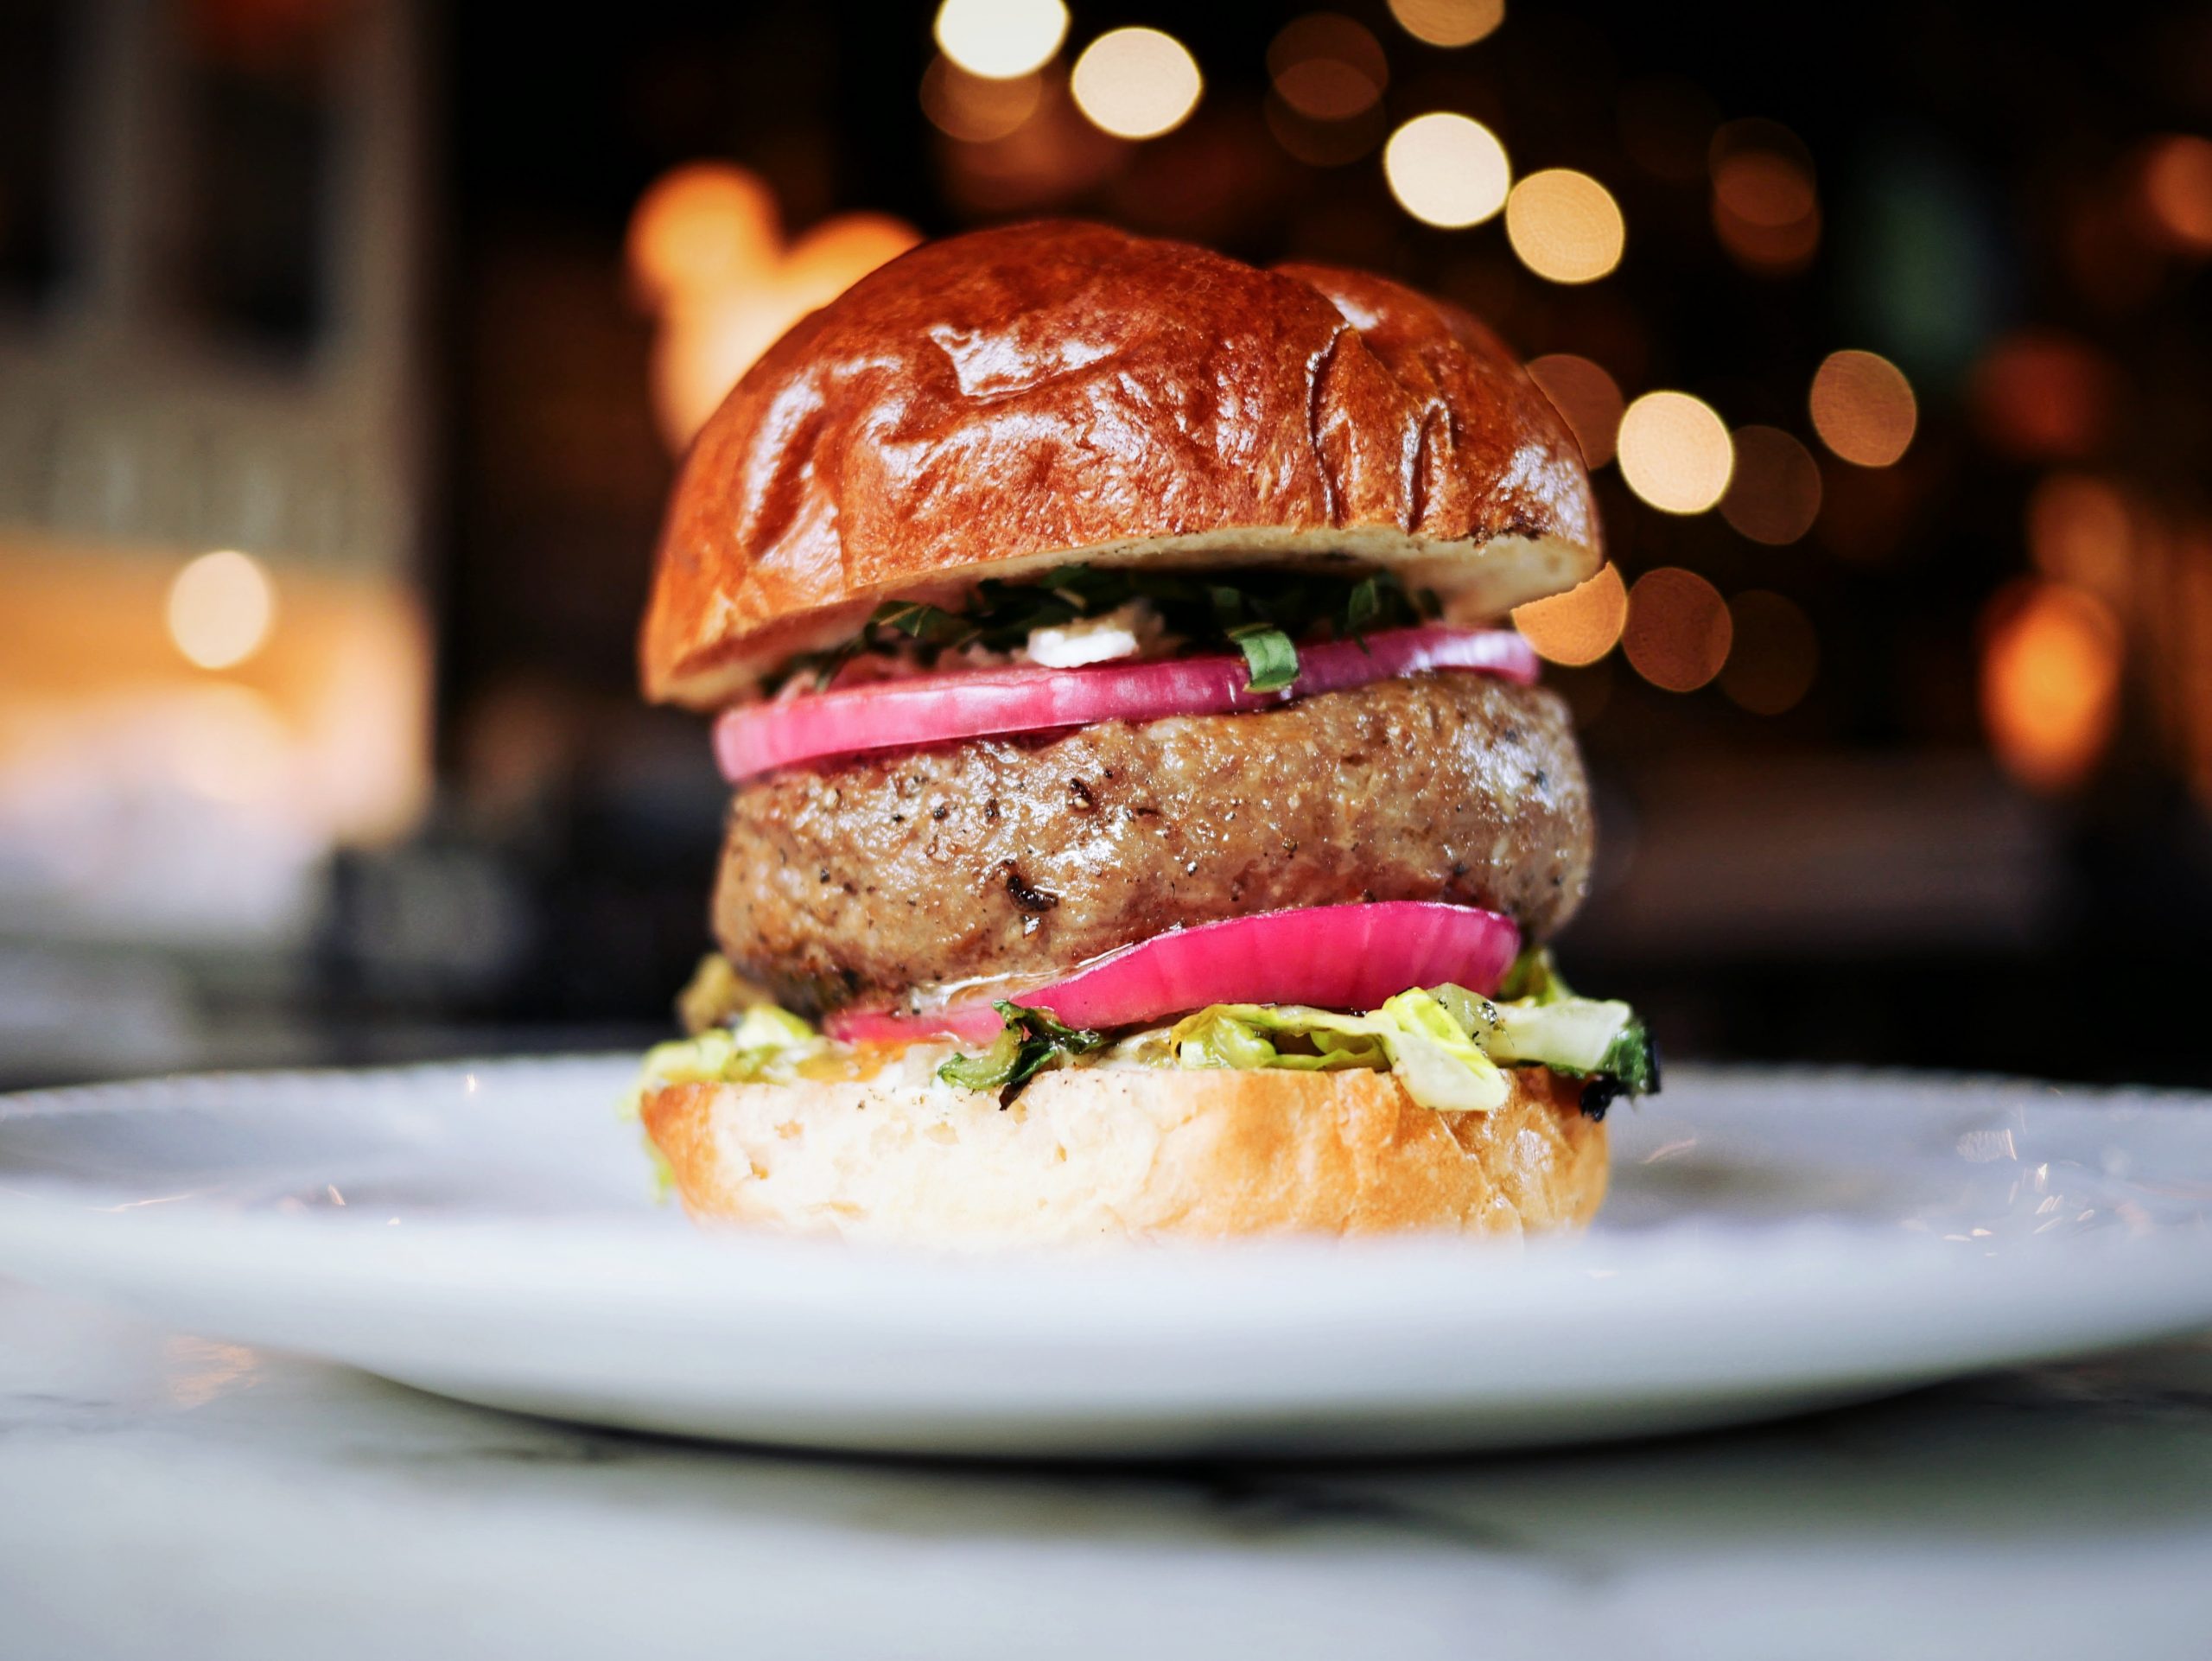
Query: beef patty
x=861 y=880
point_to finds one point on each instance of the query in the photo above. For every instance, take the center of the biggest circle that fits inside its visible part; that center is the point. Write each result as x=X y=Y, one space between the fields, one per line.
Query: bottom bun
x=1093 y=1154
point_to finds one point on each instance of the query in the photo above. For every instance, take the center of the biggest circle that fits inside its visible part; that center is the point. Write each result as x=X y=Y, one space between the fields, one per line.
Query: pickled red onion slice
x=1331 y=957
x=756 y=738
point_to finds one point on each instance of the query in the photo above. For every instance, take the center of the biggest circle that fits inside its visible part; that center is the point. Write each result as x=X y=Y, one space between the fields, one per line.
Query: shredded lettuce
x=1448 y=1045
x=1445 y=1043
x=767 y=1043
x=1413 y=1034
x=1541 y=1020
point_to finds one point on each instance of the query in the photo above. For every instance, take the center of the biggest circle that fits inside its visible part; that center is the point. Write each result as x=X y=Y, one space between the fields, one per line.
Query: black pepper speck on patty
x=858 y=882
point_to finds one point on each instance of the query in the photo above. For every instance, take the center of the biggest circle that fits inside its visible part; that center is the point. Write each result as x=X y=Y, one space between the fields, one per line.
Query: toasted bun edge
x=1098 y=1155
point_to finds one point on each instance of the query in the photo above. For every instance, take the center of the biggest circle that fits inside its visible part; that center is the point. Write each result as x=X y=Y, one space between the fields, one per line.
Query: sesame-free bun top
x=997 y=403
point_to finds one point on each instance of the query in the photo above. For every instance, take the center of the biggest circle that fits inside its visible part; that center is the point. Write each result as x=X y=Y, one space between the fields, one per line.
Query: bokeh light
x=231 y=745
x=1324 y=143
x=1137 y=83
x=1759 y=177
x=1863 y=408
x=1580 y=626
x=974 y=108
x=1675 y=452
x=2050 y=681
x=1765 y=206
x=1000 y=38
x=1586 y=396
x=1326 y=89
x=1448 y=22
x=221 y=607
x=1327 y=67
x=1053 y=156
x=1678 y=630
x=711 y=332
x=700 y=228
x=837 y=254
x=2081 y=531
x=1447 y=170
x=1774 y=495
x=2039 y=395
x=2176 y=189
x=1773 y=653
x=1564 y=226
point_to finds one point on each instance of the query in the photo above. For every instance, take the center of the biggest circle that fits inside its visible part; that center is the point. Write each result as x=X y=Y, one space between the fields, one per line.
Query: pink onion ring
x=1331 y=957
x=756 y=738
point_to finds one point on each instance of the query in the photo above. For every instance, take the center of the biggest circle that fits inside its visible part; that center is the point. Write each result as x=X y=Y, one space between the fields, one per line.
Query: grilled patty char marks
x=859 y=880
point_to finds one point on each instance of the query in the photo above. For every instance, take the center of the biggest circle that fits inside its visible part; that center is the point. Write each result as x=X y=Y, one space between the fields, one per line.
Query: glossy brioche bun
x=1097 y=1153
x=997 y=403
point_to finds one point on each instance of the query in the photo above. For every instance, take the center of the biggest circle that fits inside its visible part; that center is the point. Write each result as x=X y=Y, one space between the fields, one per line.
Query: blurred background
x=346 y=346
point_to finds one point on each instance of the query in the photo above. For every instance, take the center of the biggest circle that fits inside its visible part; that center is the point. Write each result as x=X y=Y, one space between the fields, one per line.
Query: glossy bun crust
x=1001 y=402
x=1090 y=1155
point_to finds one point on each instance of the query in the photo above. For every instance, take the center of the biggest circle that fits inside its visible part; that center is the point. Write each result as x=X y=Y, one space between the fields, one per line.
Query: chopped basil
x=919 y=621
x=1029 y=1039
x=1261 y=612
x=1268 y=654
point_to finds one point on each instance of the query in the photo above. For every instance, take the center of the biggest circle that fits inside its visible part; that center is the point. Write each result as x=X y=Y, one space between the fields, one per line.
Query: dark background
x=1855 y=878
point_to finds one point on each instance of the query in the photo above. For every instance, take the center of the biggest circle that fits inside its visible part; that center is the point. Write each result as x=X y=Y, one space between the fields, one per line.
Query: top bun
x=1001 y=403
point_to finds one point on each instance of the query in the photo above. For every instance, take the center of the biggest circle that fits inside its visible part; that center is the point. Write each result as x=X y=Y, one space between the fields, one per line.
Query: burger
x=1142 y=824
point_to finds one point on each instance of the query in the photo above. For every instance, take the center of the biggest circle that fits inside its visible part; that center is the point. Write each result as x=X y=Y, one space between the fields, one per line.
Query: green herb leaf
x=1268 y=655
x=1361 y=607
x=918 y=619
x=1043 y=1023
x=988 y=1069
x=1633 y=1059
x=1029 y=1039
x=1535 y=978
x=1207 y=613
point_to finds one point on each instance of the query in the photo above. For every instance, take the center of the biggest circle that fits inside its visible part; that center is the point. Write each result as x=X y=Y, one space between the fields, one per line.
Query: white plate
x=1774 y=1241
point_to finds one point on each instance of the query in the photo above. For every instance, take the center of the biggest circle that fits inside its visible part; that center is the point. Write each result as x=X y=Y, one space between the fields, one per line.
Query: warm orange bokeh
x=1863 y=408
x=2051 y=678
x=975 y=108
x=1580 y=626
x=1774 y=495
x=1678 y=631
x=1675 y=452
x=1764 y=187
x=1564 y=226
x=1766 y=209
x=701 y=229
x=1326 y=67
x=1448 y=22
x=324 y=726
x=706 y=254
x=1773 y=653
x=2176 y=190
x=2080 y=531
x=2040 y=395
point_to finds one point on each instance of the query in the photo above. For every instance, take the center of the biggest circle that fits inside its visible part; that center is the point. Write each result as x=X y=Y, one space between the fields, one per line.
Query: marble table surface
x=164 y=1495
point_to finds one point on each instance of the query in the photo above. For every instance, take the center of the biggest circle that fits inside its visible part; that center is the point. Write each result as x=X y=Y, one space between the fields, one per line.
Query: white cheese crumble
x=1125 y=631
